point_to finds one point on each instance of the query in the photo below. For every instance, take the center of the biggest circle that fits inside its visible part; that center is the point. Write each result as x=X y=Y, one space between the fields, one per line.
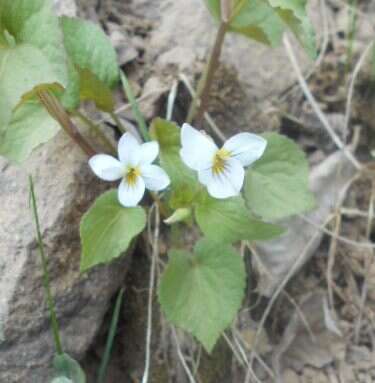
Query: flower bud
x=178 y=215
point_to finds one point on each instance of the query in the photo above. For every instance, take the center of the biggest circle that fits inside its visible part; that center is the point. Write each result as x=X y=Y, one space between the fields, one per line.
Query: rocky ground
x=309 y=314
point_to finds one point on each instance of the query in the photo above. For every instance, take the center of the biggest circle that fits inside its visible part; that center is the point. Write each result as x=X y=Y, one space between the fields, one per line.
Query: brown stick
x=56 y=110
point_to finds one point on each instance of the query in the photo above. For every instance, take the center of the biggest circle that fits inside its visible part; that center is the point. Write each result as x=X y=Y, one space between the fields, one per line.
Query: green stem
x=118 y=122
x=135 y=108
x=96 y=130
x=351 y=33
x=199 y=103
x=46 y=278
x=111 y=335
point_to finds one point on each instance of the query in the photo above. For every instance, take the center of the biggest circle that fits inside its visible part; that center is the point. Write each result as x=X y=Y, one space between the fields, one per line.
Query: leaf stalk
x=56 y=110
x=199 y=103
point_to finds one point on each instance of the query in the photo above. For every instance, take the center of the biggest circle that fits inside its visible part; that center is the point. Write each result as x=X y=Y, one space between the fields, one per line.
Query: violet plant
x=50 y=65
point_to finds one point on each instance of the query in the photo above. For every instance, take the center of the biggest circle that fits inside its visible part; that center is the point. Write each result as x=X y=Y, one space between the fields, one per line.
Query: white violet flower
x=220 y=170
x=134 y=167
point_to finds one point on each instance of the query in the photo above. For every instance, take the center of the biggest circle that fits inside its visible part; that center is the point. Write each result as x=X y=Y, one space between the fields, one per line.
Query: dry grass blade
x=352 y=84
x=335 y=138
x=181 y=357
x=154 y=241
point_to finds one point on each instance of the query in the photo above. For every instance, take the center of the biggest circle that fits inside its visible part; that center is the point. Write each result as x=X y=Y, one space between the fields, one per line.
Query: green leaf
x=228 y=220
x=94 y=67
x=91 y=88
x=33 y=22
x=62 y=379
x=30 y=126
x=293 y=13
x=266 y=20
x=202 y=293
x=85 y=86
x=276 y=186
x=55 y=88
x=31 y=53
x=71 y=97
x=90 y=48
x=183 y=180
x=69 y=369
x=22 y=68
x=107 y=230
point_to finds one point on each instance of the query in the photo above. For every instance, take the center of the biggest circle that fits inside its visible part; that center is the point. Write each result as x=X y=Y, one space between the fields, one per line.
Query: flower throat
x=220 y=159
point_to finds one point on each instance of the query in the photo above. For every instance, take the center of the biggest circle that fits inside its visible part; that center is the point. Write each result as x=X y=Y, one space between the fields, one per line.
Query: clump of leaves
x=50 y=65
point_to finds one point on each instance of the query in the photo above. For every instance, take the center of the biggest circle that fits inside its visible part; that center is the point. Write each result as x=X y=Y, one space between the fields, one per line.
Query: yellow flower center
x=220 y=158
x=131 y=175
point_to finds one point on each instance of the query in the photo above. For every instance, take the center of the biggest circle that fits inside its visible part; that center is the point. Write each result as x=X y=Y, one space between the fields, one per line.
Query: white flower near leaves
x=220 y=170
x=134 y=167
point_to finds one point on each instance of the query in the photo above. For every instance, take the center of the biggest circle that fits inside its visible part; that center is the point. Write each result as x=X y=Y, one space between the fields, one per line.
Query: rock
x=125 y=50
x=65 y=7
x=189 y=38
x=257 y=74
x=289 y=376
x=65 y=188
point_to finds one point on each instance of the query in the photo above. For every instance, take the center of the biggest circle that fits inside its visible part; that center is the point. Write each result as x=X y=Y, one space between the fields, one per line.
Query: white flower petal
x=149 y=152
x=130 y=195
x=106 y=167
x=197 y=150
x=155 y=177
x=129 y=149
x=246 y=147
x=224 y=185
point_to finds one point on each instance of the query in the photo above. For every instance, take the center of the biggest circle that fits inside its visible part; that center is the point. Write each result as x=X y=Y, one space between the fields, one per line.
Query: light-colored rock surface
x=186 y=31
x=65 y=7
x=65 y=189
x=251 y=78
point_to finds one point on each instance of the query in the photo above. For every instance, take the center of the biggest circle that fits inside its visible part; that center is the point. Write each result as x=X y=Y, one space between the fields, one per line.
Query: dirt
x=340 y=273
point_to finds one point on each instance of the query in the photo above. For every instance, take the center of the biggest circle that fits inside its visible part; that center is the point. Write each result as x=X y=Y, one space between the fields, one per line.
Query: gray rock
x=254 y=75
x=65 y=189
x=65 y=7
x=186 y=33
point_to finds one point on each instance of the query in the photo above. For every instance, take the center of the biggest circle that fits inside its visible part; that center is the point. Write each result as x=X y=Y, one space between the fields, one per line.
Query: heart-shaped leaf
x=31 y=53
x=228 y=220
x=277 y=185
x=107 y=230
x=266 y=20
x=93 y=64
x=202 y=292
